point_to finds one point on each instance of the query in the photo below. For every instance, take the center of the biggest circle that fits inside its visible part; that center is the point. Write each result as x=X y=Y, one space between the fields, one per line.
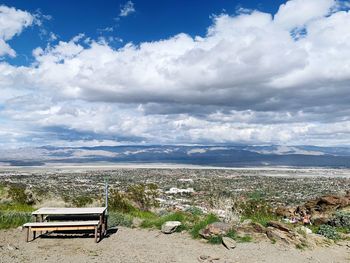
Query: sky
x=89 y=73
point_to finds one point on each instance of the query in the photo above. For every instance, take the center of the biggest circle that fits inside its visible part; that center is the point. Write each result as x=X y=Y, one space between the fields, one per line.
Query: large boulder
x=215 y=229
x=170 y=227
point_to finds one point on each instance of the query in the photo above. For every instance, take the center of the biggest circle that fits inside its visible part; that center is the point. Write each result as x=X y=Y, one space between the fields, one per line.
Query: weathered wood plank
x=69 y=211
x=62 y=228
x=63 y=223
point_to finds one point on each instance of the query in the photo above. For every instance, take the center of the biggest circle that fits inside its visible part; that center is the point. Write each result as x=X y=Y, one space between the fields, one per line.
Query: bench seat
x=61 y=226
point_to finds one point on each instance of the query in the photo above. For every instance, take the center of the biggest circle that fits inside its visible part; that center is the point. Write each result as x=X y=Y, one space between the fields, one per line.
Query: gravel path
x=135 y=245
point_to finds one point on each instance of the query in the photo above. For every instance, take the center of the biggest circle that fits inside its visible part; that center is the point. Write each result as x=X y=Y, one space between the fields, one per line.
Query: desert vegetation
x=197 y=199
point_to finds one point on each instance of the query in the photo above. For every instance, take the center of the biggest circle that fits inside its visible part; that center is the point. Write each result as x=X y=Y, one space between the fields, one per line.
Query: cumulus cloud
x=12 y=22
x=297 y=13
x=247 y=80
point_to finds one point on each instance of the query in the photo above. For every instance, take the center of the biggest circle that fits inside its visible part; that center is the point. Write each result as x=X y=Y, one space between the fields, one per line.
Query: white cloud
x=247 y=80
x=12 y=22
x=296 y=13
x=127 y=9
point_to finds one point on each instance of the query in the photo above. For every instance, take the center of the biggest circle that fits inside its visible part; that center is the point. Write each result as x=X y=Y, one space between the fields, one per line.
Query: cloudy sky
x=174 y=72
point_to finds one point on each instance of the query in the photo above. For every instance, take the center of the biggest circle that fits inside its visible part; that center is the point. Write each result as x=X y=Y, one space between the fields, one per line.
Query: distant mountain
x=224 y=156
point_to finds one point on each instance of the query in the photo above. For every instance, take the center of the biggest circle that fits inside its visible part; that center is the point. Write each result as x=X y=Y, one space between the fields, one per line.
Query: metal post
x=106 y=193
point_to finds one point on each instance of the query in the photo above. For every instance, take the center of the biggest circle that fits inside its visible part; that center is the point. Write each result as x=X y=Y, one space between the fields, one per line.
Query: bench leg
x=96 y=234
x=27 y=234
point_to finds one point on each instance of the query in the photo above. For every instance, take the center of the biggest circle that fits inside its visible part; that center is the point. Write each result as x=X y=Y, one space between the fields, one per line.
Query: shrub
x=328 y=232
x=215 y=240
x=144 y=195
x=342 y=220
x=119 y=219
x=7 y=206
x=241 y=239
x=117 y=201
x=158 y=222
x=194 y=211
x=13 y=219
x=18 y=194
x=256 y=209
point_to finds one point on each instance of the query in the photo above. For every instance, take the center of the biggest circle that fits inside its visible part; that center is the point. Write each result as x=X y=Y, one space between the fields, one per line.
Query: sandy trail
x=136 y=245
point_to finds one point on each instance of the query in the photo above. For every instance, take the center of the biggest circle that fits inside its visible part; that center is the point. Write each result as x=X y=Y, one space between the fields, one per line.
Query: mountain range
x=211 y=155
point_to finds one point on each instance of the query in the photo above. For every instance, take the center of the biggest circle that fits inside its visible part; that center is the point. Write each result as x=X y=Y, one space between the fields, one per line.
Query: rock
x=204 y=258
x=279 y=225
x=219 y=228
x=251 y=228
x=136 y=222
x=327 y=204
x=286 y=212
x=303 y=230
x=229 y=243
x=170 y=227
x=320 y=219
x=288 y=238
x=215 y=229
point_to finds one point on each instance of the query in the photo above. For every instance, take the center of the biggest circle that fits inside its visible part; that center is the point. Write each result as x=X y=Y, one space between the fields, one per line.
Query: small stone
x=229 y=243
x=170 y=227
x=9 y=247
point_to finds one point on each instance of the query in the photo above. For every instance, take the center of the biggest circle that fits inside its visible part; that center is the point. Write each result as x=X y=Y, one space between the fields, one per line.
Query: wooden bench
x=63 y=226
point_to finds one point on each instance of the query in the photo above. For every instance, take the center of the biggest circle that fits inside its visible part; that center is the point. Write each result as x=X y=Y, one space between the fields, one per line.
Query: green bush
x=194 y=211
x=118 y=201
x=258 y=210
x=328 y=232
x=144 y=195
x=159 y=221
x=215 y=240
x=13 y=219
x=341 y=220
x=241 y=239
x=10 y=206
x=19 y=195
x=119 y=219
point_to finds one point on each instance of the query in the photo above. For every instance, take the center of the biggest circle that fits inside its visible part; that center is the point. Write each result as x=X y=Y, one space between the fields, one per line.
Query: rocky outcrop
x=279 y=226
x=319 y=209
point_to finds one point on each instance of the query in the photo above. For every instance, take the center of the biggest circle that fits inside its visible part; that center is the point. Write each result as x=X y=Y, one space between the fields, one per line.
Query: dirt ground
x=136 y=245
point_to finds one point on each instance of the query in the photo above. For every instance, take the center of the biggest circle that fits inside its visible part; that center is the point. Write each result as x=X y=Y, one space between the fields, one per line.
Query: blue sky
x=151 y=20
x=174 y=72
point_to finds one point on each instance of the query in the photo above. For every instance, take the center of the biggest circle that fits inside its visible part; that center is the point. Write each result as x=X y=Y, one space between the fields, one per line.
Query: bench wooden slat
x=62 y=228
x=62 y=223
x=69 y=211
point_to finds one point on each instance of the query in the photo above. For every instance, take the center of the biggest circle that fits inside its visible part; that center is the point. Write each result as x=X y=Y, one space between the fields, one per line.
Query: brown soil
x=136 y=245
